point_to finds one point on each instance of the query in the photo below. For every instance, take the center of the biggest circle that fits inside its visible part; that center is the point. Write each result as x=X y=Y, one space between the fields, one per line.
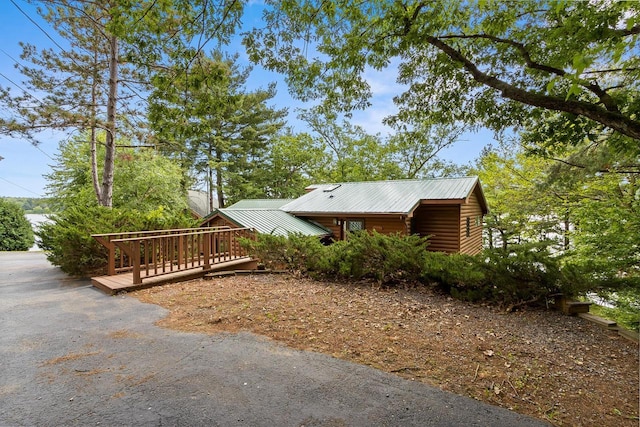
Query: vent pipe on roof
x=330 y=189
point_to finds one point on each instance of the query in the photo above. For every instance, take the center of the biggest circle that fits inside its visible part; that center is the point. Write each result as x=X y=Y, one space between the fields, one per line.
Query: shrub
x=68 y=242
x=386 y=259
x=524 y=273
x=296 y=253
x=452 y=271
x=147 y=195
x=16 y=233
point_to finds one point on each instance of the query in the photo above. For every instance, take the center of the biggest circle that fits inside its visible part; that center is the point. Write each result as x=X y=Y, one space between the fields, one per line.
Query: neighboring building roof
x=272 y=221
x=199 y=202
x=381 y=197
x=259 y=204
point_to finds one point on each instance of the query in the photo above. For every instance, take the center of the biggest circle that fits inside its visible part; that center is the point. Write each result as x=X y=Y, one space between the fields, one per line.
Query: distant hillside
x=32 y=205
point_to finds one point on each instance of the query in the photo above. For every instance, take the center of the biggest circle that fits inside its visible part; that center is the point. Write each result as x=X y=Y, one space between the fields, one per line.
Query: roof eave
x=343 y=213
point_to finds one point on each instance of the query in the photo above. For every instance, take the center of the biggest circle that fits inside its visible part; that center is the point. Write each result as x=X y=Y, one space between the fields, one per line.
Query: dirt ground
x=562 y=369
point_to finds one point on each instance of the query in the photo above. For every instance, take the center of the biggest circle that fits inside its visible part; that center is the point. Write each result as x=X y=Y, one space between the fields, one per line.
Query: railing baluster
x=145 y=252
x=206 y=251
x=153 y=253
x=172 y=252
x=155 y=257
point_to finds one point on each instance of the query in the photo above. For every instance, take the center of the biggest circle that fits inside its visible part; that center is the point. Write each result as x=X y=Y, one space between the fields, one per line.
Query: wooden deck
x=124 y=282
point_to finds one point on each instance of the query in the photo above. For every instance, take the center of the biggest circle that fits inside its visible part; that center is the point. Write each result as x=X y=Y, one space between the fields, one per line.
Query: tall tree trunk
x=219 y=179
x=210 y=189
x=94 y=152
x=567 y=224
x=109 y=158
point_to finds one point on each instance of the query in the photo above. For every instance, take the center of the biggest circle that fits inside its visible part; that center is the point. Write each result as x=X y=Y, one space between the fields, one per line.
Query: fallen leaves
x=519 y=360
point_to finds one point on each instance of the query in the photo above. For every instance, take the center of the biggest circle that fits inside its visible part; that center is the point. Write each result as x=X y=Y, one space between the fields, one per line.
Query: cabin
x=448 y=210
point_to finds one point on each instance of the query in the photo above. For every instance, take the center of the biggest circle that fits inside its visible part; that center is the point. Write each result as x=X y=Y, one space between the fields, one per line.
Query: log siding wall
x=473 y=244
x=218 y=221
x=383 y=224
x=442 y=223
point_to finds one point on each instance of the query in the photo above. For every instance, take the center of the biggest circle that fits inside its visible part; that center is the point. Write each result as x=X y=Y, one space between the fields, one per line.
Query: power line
x=21 y=88
x=43 y=152
x=20 y=186
x=36 y=24
x=15 y=61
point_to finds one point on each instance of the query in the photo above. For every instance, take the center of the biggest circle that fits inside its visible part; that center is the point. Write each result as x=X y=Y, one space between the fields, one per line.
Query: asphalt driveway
x=70 y=355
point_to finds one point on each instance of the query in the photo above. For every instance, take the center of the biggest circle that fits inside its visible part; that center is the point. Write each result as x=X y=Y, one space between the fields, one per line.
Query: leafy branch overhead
x=480 y=62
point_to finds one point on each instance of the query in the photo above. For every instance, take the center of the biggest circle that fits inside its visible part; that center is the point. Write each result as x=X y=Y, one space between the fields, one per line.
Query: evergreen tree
x=207 y=120
x=16 y=233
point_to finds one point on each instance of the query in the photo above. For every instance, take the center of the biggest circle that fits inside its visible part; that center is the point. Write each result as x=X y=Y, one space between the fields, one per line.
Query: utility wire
x=43 y=152
x=20 y=186
x=21 y=88
x=36 y=24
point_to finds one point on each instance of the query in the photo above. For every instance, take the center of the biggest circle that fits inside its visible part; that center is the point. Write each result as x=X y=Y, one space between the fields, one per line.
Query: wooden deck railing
x=154 y=253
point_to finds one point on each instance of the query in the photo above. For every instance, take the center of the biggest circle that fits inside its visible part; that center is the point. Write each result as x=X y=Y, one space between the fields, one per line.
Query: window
x=355 y=225
x=468 y=227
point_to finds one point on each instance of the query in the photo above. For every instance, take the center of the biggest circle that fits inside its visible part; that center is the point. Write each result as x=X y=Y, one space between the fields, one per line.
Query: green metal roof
x=380 y=197
x=272 y=221
x=259 y=204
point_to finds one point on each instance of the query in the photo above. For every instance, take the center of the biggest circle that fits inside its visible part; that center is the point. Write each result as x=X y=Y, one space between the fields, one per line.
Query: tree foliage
x=16 y=233
x=524 y=206
x=479 y=62
x=145 y=180
x=31 y=205
x=293 y=162
x=209 y=121
x=581 y=211
x=148 y=196
x=354 y=154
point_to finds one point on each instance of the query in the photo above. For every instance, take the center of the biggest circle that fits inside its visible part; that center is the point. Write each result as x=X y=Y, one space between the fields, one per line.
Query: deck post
x=135 y=261
x=111 y=248
x=207 y=250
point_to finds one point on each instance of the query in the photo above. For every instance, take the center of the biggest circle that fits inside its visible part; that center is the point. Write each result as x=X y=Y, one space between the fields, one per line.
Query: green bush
x=147 y=195
x=386 y=259
x=451 y=271
x=296 y=253
x=16 y=233
x=68 y=242
x=524 y=273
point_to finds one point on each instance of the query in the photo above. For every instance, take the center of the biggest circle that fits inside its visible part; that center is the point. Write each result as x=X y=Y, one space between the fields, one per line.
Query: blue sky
x=24 y=165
